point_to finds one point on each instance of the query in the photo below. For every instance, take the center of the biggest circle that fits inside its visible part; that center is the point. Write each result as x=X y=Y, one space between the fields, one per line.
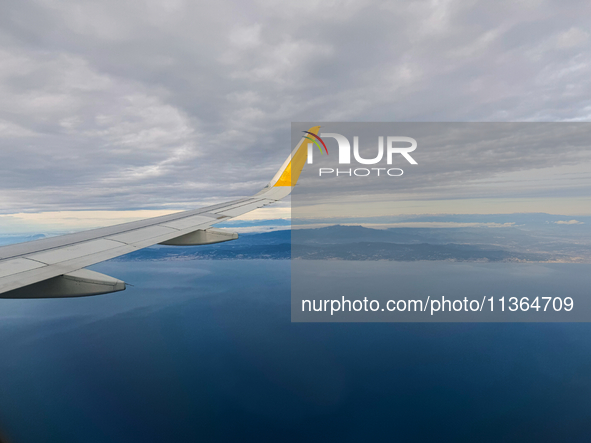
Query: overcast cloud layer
x=498 y=160
x=172 y=104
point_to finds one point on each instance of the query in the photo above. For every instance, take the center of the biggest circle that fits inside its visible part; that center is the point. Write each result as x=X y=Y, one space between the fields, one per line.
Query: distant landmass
x=395 y=244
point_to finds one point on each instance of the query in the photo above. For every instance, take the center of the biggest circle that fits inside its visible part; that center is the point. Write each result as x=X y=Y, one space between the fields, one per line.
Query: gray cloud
x=151 y=104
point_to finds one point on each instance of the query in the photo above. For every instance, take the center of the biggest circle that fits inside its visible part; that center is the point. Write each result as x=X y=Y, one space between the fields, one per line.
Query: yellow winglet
x=290 y=172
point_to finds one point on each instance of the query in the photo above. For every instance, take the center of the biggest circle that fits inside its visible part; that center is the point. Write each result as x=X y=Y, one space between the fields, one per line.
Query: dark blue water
x=205 y=351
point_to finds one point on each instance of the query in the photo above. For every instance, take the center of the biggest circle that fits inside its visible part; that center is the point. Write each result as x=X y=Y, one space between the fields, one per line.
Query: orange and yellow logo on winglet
x=292 y=171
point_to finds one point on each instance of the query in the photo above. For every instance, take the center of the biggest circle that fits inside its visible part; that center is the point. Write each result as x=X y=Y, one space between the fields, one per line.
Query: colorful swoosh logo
x=315 y=141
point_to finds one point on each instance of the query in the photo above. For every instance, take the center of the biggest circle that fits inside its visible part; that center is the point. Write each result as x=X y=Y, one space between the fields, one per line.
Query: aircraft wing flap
x=143 y=239
x=187 y=222
x=143 y=234
x=57 y=255
x=17 y=266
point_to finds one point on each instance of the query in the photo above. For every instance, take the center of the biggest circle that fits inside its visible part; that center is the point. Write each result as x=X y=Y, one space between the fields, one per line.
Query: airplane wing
x=54 y=267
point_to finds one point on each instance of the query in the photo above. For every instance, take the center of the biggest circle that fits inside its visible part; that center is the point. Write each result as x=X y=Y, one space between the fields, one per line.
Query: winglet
x=292 y=167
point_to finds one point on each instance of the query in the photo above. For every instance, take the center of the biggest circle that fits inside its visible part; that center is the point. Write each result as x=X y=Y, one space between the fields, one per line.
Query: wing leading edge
x=54 y=267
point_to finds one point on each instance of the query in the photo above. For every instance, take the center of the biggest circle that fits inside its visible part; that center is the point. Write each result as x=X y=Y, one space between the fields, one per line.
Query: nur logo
x=394 y=145
x=289 y=173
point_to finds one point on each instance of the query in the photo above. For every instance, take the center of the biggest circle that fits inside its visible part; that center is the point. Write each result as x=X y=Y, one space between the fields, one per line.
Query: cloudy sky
x=167 y=105
x=462 y=168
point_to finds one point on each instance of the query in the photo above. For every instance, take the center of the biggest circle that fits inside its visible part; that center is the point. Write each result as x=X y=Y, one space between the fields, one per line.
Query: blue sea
x=204 y=351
